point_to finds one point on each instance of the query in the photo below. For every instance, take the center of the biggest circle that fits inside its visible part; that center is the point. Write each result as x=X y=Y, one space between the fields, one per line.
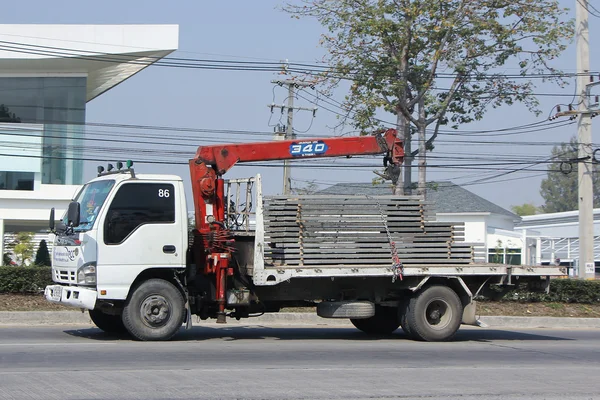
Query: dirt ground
x=18 y=302
x=510 y=308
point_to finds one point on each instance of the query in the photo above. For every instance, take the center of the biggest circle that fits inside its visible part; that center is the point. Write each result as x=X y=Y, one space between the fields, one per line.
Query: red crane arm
x=223 y=157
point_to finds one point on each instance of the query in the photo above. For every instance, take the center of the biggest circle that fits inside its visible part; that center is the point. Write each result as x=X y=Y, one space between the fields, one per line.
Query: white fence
x=564 y=249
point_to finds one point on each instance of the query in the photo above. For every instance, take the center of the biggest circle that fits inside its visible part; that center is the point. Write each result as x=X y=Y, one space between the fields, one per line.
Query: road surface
x=256 y=362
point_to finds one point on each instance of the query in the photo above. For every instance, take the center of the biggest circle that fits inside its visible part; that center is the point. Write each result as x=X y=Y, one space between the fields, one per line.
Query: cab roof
x=125 y=175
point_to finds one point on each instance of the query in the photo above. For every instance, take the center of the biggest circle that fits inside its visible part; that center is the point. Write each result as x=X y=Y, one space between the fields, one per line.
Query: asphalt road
x=255 y=362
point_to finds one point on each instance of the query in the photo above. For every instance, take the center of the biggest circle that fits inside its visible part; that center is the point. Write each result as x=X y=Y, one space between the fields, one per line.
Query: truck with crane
x=123 y=250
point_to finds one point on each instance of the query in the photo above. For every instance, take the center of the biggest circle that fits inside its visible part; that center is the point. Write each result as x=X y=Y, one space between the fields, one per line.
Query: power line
x=540 y=123
x=179 y=62
x=495 y=166
x=68 y=144
x=101 y=136
x=588 y=10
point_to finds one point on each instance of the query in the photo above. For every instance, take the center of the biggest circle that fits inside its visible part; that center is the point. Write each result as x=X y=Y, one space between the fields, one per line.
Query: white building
x=558 y=237
x=48 y=73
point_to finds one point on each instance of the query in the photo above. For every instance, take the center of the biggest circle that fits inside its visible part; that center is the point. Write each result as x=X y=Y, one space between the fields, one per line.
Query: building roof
x=548 y=219
x=106 y=54
x=446 y=197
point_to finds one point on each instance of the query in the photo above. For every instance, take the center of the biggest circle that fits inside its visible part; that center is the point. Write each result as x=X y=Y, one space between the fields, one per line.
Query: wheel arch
x=455 y=283
x=167 y=274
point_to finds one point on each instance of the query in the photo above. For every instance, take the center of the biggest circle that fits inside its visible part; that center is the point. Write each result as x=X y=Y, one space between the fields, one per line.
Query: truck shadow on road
x=261 y=332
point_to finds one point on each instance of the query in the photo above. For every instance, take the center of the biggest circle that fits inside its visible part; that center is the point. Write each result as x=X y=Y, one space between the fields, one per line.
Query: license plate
x=56 y=293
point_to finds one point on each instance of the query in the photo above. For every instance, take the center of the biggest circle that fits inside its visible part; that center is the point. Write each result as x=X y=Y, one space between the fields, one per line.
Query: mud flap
x=470 y=315
x=188 y=317
x=188 y=311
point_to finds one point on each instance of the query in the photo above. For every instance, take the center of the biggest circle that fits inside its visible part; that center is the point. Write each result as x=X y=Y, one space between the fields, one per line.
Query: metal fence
x=564 y=249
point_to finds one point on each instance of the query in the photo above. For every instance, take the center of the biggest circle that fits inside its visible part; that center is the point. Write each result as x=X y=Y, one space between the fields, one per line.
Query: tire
x=434 y=314
x=154 y=311
x=107 y=322
x=384 y=322
x=346 y=309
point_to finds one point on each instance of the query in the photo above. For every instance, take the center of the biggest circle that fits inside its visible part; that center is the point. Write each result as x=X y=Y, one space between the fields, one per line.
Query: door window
x=137 y=204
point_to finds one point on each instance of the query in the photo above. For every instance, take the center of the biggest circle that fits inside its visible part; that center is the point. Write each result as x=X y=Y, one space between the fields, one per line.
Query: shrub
x=42 y=257
x=561 y=291
x=6 y=259
x=24 y=279
x=23 y=247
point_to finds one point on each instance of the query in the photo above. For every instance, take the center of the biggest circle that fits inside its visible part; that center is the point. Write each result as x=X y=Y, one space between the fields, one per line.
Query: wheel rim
x=155 y=311
x=438 y=314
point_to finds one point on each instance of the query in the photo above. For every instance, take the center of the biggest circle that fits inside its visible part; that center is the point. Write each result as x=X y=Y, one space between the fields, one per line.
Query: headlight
x=86 y=274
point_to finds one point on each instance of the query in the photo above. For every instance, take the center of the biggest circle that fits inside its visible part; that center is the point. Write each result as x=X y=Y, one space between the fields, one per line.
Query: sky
x=237 y=100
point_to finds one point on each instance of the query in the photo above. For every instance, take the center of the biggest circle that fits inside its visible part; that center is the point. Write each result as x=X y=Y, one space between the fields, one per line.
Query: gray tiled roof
x=446 y=197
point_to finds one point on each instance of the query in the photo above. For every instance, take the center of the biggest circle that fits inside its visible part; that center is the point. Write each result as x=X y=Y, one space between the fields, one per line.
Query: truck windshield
x=91 y=197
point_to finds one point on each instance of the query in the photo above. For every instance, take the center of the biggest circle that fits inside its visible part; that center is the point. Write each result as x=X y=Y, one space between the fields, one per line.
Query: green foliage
x=7 y=116
x=436 y=63
x=560 y=189
x=525 y=209
x=42 y=257
x=24 y=279
x=561 y=291
x=6 y=260
x=23 y=247
x=498 y=256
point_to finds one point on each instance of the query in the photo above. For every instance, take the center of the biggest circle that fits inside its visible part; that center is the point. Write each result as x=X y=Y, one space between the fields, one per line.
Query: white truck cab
x=128 y=224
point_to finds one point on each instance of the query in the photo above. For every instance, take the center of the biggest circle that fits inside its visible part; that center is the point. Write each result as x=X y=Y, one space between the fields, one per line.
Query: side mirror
x=73 y=214
x=51 y=222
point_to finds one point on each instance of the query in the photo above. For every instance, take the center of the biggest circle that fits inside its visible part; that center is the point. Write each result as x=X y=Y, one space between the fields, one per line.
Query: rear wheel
x=384 y=322
x=107 y=322
x=434 y=314
x=155 y=311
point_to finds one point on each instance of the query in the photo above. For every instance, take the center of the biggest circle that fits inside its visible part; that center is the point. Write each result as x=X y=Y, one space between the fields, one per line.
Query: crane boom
x=223 y=157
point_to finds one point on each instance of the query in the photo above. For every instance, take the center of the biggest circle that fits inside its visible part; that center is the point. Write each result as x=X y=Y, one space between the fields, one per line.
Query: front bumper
x=73 y=296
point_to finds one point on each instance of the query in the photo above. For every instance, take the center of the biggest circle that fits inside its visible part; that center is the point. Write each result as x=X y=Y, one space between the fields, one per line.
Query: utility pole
x=422 y=185
x=584 y=137
x=289 y=131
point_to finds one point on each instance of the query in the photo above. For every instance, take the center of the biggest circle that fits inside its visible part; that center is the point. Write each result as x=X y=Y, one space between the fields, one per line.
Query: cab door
x=142 y=228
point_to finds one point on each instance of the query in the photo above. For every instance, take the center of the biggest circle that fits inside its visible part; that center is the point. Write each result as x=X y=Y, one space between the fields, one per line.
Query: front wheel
x=384 y=322
x=155 y=311
x=107 y=322
x=434 y=314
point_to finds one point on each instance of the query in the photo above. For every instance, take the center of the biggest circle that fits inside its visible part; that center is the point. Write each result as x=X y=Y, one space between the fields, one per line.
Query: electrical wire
x=440 y=187
x=540 y=123
x=197 y=141
x=587 y=9
x=151 y=140
x=269 y=133
x=592 y=6
x=162 y=158
x=178 y=62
